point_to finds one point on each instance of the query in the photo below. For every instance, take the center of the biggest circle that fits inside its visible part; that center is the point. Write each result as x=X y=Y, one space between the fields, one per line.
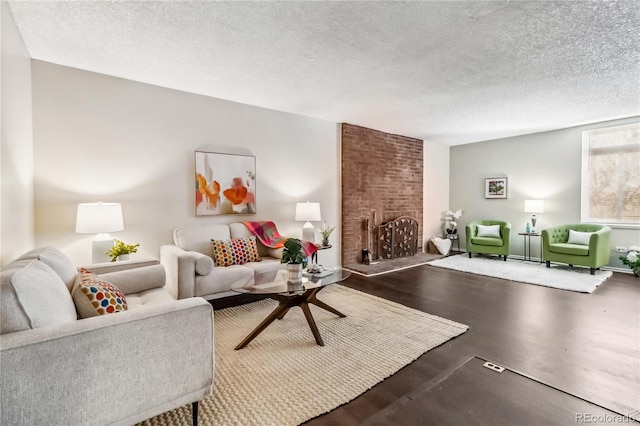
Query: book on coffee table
x=319 y=274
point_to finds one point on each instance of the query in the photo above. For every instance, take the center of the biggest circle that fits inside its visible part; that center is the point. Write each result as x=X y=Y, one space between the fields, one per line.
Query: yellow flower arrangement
x=119 y=248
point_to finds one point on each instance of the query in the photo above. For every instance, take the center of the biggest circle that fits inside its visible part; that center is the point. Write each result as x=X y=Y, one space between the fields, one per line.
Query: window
x=611 y=176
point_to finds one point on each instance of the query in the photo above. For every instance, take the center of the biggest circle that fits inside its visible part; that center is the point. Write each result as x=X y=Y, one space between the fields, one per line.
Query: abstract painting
x=225 y=184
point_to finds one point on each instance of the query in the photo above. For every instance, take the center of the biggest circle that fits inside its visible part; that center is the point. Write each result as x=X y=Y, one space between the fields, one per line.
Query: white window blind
x=611 y=175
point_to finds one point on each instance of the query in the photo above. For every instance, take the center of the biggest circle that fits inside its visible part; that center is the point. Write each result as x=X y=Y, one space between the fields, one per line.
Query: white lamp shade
x=534 y=206
x=308 y=211
x=97 y=218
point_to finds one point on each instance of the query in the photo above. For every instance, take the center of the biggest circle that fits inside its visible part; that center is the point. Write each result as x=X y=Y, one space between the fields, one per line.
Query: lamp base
x=99 y=248
x=533 y=222
x=309 y=233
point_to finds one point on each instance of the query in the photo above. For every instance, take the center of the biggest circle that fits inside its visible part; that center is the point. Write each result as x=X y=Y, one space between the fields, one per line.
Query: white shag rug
x=557 y=276
x=283 y=378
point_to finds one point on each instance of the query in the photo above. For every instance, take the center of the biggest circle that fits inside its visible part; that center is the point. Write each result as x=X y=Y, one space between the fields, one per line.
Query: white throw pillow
x=488 y=231
x=577 y=237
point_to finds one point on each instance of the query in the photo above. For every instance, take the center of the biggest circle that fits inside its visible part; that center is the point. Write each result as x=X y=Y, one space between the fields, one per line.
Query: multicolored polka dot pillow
x=235 y=252
x=94 y=296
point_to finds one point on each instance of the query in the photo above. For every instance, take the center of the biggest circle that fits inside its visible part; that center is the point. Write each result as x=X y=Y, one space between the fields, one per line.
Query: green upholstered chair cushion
x=487 y=241
x=488 y=245
x=556 y=249
x=565 y=248
x=560 y=234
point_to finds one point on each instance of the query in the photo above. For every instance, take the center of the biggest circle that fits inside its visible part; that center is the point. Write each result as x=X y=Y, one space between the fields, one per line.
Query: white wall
x=16 y=155
x=545 y=166
x=100 y=138
x=436 y=188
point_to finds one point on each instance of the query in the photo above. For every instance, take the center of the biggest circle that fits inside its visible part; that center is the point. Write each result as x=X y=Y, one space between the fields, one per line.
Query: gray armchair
x=118 y=369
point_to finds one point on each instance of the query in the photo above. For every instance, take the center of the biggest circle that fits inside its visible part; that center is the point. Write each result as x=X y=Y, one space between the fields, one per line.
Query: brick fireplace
x=382 y=180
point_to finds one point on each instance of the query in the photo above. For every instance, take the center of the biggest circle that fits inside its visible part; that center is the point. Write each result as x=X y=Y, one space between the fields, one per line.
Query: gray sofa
x=118 y=368
x=190 y=267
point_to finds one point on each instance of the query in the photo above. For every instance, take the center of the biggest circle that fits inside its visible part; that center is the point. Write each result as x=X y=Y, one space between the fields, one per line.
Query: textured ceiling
x=448 y=72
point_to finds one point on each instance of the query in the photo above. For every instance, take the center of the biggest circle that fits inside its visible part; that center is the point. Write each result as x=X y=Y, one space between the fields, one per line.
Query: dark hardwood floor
x=587 y=345
x=474 y=395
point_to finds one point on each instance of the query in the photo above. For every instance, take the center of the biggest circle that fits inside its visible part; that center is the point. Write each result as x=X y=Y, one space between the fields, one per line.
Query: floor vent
x=494 y=367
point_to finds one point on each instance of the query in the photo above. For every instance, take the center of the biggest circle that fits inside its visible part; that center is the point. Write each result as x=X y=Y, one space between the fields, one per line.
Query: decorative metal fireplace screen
x=398 y=238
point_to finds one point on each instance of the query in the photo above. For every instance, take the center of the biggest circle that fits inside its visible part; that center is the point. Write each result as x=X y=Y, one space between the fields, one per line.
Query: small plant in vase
x=294 y=257
x=632 y=260
x=325 y=231
x=450 y=219
x=121 y=251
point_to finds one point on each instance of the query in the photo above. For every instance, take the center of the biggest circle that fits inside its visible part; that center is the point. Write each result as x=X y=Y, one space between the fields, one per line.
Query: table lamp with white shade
x=533 y=206
x=308 y=212
x=99 y=218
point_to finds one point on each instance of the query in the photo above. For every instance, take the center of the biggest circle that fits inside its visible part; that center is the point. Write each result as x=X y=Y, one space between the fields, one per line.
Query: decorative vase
x=123 y=257
x=294 y=273
x=325 y=242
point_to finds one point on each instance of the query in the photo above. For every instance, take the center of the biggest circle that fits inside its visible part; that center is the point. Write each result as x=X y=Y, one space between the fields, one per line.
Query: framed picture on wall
x=224 y=184
x=495 y=187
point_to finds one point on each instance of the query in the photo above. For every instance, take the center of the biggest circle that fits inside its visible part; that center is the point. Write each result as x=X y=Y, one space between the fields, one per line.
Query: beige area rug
x=379 y=267
x=284 y=378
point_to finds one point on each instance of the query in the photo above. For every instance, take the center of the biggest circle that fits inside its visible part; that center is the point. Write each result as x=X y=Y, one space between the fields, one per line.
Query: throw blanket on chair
x=268 y=235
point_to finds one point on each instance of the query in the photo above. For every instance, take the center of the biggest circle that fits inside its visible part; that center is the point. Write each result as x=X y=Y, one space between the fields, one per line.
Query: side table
x=314 y=256
x=527 y=244
x=453 y=238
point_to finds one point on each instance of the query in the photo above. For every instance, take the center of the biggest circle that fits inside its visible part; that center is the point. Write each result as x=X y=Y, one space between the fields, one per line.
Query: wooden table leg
x=284 y=312
x=286 y=303
x=312 y=324
x=319 y=303
x=277 y=312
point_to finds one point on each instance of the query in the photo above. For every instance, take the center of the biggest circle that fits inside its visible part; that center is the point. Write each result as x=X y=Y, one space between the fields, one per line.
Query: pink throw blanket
x=268 y=235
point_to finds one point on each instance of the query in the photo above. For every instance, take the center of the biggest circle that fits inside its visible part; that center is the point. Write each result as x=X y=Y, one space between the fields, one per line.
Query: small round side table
x=452 y=238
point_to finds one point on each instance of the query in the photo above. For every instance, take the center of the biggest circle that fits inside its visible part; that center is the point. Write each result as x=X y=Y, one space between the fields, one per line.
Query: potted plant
x=450 y=222
x=326 y=231
x=632 y=260
x=294 y=257
x=121 y=251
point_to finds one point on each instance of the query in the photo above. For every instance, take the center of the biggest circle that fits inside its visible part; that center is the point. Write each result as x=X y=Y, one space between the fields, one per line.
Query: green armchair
x=591 y=250
x=482 y=242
